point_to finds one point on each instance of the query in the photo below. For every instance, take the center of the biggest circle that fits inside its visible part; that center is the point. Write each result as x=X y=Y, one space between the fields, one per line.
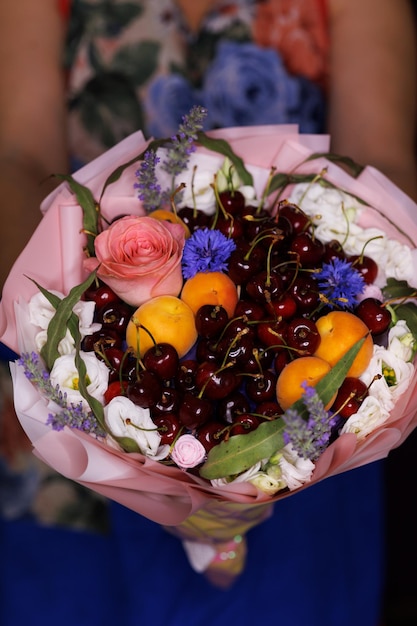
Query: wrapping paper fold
x=163 y=493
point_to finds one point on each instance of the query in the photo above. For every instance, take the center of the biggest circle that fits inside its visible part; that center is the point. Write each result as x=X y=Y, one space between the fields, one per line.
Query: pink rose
x=188 y=452
x=139 y=258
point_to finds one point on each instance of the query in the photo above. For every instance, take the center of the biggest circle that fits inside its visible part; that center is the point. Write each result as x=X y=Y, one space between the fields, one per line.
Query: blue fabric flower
x=206 y=251
x=340 y=283
x=169 y=97
x=247 y=85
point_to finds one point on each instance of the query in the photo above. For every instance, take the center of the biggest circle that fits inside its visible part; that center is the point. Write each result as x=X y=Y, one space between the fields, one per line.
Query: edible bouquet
x=209 y=323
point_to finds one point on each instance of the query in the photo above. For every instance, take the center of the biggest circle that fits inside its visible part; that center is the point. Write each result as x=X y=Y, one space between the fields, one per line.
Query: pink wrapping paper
x=165 y=494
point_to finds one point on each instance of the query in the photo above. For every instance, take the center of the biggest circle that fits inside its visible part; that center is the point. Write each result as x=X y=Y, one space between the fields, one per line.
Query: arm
x=373 y=86
x=32 y=117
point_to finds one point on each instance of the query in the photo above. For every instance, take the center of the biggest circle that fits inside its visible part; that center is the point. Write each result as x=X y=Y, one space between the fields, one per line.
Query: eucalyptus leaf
x=223 y=147
x=398 y=289
x=64 y=318
x=408 y=312
x=89 y=206
x=95 y=406
x=355 y=168
x=240 y=452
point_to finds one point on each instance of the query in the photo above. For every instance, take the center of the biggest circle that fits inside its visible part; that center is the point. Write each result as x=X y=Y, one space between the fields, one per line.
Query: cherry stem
x=265 y=192
x=172 y=198
x=362 y=254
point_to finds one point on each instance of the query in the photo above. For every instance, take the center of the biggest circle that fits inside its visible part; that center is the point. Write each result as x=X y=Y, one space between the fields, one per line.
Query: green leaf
x=128 y=444
x=408 y=312
x=89 y=206
x=354 y=168
x=398 y=289
x=222 y=147
x=241 y=452
x=95 y=406
x=64 y=318
x=282 y=180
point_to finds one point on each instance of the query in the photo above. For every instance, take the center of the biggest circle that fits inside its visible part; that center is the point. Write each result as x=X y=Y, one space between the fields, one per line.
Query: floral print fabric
x=137 y=65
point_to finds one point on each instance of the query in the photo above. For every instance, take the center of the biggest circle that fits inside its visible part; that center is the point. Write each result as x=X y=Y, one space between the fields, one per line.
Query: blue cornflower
x=149 y=190
x=340 y=283
x=183 y=143
x=309 y=437
x=206 y=251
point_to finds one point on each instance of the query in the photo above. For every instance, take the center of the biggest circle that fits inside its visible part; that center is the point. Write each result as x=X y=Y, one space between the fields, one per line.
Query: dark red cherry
x=333 y=250
x=231 y=227
x=375 y=315
x=366 y=266
x=211 y=434
x=244 y=423
x=303 y=336
x=193 y=218
x=308 y=249
x=284 y=306
x=146 y=390
x=253 y=311
x=169 y=402
x=102 y=295
x=185 y=376
x=162 y=359
x=168 y=426
x=234 y=404
x=215 y=383
x=350 y=396
x=233 y=202
x=300 y=222
x=261 y=388
x=269 y=409
x=115 y=316
x=115 y=388
x=210 y=320
x=264 y=286
x=305 y=293
x=272 y=332
x=194 y=411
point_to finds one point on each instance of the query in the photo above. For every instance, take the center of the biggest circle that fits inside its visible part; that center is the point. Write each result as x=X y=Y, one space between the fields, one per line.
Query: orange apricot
x=210 y=288
x=305 y=369
x=339 y=331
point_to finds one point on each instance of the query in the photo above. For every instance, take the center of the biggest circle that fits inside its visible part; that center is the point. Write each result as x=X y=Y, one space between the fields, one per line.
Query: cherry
x=101 y=340
x=244 y=423
x=146 y=390
x=305 y=293
x=231 y=227
x=206 y=350
x=185 y=376
x=249 y=309
x=374 y=314
x=194 y=411
x=272 y=332
x=162 y=359
x=102 y=295
x=245 y=261
x=349 y=397
x=303 y=336
x=194 y=219
x=233 y=404
x=281 y=359
x=168 y=426
x=115 y=388
x=169 y=402
x=366 y=266
x=233 y=202
x=269 y=408
x=210 y=320
x=264 y=286
x=284 y=306
x=211 y=434
x=308 y=249
x=297 y=218
x=213 y=382
x=262 y=388
x=115 y=316
x=333 y=250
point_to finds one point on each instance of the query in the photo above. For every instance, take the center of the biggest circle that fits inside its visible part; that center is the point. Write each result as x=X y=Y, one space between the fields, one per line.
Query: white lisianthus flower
x=198 y=192
x=65 y=374
x=371 y=414
x=227 y=177
x=41 y=312
x=249 y=193
x=126 y=419
x=267 y=483
x=188 y=452
x=401 y=341
x=241 y=478
x=291 y=470
x=395 y=375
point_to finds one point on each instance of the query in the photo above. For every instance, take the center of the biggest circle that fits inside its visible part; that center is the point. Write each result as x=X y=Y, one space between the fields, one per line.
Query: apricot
x=339 y=331
x=169 y=216
x=162 y=319
x=210 y=288
x=305 y=369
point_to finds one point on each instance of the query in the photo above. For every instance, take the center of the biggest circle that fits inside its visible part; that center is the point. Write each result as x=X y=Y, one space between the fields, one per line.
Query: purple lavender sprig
x=71 y=415
x=149 y=190
x=309 y=437
x=183 y=143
